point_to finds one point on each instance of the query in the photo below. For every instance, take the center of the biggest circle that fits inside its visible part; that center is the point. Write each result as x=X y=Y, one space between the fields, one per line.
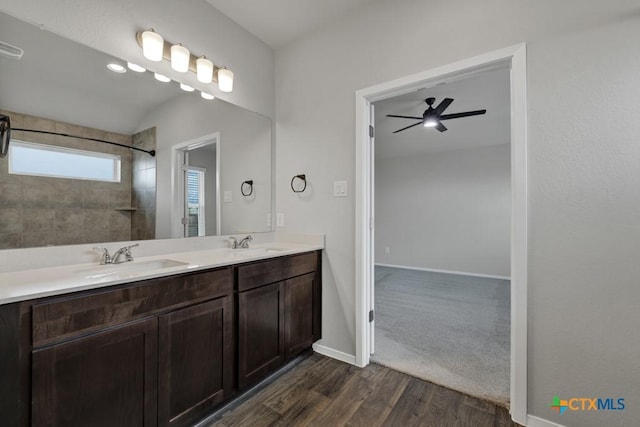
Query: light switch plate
x=280 y=220
x=228 y=196
x=340 y=189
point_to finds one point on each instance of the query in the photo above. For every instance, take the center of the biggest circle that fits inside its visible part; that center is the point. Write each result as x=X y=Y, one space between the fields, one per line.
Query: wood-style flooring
x=321 y=391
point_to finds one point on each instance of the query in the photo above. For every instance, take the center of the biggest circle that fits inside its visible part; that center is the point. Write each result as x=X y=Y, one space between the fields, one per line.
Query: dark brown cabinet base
x=159 y=352
x=107 y=379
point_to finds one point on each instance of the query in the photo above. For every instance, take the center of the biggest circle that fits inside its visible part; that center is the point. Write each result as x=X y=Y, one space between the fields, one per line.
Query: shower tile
x=68 y=221
x=38 y=220
x=10 y=221
x=10 y=195
x=10 y=240
x=37 y=239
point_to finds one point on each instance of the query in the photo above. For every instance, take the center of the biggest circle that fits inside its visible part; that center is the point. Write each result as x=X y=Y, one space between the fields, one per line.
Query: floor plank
x=325 y=392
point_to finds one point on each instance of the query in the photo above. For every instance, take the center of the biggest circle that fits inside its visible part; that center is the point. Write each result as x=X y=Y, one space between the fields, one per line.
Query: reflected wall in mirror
x=205 y=150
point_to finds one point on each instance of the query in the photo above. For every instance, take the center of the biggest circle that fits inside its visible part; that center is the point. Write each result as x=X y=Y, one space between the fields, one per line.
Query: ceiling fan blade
x=441 y=127
x=404 y=117
x=416 y=124
x=443 y=106
x=458 y=115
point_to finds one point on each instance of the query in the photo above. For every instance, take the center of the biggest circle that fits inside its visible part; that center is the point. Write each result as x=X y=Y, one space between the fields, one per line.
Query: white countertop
x=42 y=282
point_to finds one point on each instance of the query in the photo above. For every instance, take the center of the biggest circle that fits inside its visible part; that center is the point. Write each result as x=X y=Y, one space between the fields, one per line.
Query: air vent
x=10 y=51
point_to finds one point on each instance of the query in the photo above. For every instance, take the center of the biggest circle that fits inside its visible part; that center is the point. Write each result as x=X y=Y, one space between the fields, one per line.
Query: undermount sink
x=133 y=267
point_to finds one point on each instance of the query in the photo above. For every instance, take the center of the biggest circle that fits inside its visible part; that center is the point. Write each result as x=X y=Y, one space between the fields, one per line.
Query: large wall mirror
x=211 y=173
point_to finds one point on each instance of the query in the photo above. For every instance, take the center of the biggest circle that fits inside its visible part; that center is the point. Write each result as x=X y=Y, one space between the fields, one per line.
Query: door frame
x=515 y=58
x=177 y=187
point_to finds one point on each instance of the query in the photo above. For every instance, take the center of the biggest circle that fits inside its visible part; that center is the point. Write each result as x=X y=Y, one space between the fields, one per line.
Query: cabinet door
x=105 y=379
x=299 y=313
x=260 y=332
x=195 y=361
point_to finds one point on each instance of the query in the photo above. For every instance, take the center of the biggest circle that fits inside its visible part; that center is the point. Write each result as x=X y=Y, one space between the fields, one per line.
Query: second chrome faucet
x=125 y=252
x=242 y=244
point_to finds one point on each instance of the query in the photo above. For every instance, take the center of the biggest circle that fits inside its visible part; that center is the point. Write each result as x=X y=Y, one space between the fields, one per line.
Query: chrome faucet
x=242 y=244
x=106 y=258
x=126 y=251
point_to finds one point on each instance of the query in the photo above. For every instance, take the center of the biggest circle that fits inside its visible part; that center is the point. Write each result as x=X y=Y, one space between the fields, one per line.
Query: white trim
x=515 y=57
x=533 y=421
x=433 y=270
x=335 y=354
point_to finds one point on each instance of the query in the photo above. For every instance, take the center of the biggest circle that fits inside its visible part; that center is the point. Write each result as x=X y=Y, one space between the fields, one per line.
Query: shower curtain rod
x=152 y=153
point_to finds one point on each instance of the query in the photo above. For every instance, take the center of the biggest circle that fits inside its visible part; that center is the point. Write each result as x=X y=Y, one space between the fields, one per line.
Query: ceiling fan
x=432 y=117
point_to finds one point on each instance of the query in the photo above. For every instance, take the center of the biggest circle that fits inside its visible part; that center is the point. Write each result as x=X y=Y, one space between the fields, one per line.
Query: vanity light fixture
x=155 y=48
x=161 y=78
x=186 y=88
x=204 y=70
x=225 y=80
x=207 y=96
x=136 y=67
x=116 y=68
x=180 y=57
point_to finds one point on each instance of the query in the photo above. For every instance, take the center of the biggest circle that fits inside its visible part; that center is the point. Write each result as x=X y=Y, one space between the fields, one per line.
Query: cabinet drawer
x=66 y=317
x=274 y=270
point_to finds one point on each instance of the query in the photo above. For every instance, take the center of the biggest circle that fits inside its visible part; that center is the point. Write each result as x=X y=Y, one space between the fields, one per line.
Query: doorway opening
x=196 y=187
x=514 y=59
x=442 y=234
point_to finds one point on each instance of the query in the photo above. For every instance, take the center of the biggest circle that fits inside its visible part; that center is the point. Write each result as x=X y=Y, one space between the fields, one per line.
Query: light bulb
x=116 y=68
x=204 y=70
x=207 y=96
x=152 y=45
x=136 y=67
x=186 y=88
x=430 y=123
x=225 y=80
x=161 y=78
x=180 y=57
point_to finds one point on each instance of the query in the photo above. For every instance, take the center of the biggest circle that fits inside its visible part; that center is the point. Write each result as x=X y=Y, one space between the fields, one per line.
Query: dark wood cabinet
x=276 y=321
x=299 y=299
x=157 y=352
x=196 y=349
x=260 y=332
x=106 y=379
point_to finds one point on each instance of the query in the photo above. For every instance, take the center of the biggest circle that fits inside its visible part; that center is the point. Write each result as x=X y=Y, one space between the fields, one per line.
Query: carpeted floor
x=450 y=329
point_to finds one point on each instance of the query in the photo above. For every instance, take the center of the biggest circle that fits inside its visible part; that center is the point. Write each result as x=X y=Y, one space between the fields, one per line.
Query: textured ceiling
x=488 y=90
x=279 y=22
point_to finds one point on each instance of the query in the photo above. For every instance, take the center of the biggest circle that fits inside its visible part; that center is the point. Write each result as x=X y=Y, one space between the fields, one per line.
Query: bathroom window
x=28 y=158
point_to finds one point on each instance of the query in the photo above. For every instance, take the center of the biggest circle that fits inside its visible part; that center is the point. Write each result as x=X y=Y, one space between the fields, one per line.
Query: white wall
x=245 y=153
x=446 y=211
x=583 y=68
x=111 y=25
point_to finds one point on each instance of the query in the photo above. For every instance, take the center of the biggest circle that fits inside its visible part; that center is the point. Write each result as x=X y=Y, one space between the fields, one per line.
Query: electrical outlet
x=387 y=250
x=280 y=220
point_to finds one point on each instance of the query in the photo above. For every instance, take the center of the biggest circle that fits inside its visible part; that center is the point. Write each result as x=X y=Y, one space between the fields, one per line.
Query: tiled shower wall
x=143 y=219
x=38 y=211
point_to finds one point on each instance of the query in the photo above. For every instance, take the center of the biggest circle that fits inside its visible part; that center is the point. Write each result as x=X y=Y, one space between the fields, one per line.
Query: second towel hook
x=246 y=188
x=301 y=177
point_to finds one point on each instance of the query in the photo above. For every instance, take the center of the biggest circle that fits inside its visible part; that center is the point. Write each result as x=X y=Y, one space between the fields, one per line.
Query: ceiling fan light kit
x=433 y=117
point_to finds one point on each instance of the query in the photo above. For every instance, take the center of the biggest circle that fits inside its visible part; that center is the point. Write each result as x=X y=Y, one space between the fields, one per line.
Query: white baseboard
x=334 y=354
x=462 y=273
x=540 y=422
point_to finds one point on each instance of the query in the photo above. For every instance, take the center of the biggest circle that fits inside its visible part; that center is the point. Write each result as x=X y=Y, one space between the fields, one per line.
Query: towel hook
x=301 y=177
x=245 y=184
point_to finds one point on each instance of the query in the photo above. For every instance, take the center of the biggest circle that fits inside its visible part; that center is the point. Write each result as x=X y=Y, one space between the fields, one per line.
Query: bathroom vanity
x=165 y=350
